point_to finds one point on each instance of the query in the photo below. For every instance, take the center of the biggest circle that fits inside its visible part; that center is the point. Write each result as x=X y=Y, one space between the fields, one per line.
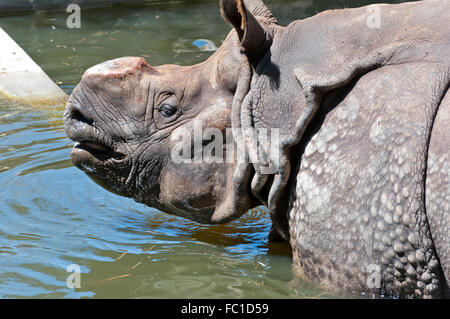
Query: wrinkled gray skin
x=362 y=188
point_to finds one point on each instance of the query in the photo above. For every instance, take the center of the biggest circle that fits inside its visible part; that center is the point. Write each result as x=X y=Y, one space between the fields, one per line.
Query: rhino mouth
x=90 y=149
x=98 y=150
x=90 y=154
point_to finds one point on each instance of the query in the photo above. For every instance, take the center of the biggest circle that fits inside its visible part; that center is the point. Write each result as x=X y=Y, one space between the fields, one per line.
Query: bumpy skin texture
x=361 y=188
x=358 y=210
x=437 y=185
x=359 y=192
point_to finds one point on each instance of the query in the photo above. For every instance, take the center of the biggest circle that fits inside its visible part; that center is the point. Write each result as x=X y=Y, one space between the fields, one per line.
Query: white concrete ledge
x=22 y=80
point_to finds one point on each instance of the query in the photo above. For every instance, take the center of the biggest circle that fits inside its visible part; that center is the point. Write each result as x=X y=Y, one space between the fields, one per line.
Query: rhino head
x=125 y=116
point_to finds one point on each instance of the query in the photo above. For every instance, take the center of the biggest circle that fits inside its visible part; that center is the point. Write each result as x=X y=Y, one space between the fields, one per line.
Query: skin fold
x=359 y=184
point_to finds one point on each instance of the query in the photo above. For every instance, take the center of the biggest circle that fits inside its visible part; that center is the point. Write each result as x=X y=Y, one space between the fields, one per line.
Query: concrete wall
x=16 y=6
x=22 y=80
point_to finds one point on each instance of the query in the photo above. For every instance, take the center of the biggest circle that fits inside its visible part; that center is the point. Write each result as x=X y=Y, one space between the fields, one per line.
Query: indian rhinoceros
x=355 y=169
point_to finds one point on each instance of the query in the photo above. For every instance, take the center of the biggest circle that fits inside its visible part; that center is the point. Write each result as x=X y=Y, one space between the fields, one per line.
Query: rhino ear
x=253 y=37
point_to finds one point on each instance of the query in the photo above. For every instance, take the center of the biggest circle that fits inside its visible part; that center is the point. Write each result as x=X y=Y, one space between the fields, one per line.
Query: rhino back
x=357 y=205
x=329 y=49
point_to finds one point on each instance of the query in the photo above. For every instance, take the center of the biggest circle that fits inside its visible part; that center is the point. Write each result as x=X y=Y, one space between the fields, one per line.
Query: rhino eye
x=167 y=110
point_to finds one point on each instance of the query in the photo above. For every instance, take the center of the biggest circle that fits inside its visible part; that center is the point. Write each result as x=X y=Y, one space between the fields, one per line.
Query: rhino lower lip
x=99 y=151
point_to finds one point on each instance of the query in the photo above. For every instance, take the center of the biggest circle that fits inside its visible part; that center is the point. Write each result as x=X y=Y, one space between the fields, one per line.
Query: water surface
x=52 y=215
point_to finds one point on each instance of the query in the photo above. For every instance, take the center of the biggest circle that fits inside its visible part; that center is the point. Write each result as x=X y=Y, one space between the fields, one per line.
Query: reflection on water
x=52 y=215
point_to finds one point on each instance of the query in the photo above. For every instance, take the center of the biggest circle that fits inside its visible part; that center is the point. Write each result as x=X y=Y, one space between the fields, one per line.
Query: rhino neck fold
x=266 y=188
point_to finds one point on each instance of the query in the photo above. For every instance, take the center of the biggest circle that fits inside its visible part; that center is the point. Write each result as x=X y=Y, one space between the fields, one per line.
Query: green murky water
x=52 y=215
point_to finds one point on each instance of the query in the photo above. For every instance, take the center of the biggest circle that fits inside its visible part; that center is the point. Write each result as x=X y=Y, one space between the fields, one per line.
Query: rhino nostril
x=78 y=116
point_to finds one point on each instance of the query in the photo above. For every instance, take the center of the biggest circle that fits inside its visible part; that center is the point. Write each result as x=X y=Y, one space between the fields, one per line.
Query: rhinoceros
x=355 y=165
